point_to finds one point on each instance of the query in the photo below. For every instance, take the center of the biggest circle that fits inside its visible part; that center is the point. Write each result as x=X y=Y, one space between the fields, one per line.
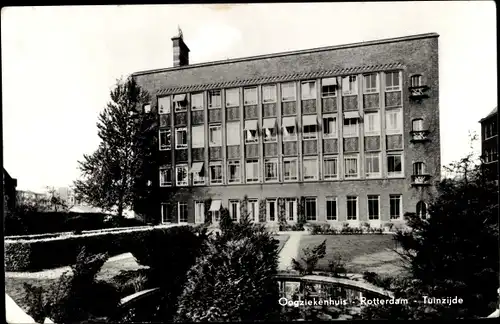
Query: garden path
x=290 y=250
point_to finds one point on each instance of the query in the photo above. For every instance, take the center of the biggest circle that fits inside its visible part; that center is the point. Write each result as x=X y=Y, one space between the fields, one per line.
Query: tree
x=116 y=175
x=55 y=201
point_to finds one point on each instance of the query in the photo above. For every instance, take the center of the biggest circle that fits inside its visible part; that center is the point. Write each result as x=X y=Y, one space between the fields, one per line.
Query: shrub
x=337 y=267
x=316 y=229
x=310 y=259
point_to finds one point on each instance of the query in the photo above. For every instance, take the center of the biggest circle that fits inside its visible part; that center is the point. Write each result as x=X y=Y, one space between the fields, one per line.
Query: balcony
x=420 y=180
x=418 y=92
x=419 y=136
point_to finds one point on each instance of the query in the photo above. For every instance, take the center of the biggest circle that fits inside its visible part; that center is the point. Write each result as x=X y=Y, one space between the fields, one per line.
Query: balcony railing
x=419 y=136
x=420 y=180
x=418 y=92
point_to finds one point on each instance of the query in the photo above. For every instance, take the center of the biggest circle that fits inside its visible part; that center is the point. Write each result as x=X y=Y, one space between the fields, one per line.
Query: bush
x=310 y=259
x=337 y=267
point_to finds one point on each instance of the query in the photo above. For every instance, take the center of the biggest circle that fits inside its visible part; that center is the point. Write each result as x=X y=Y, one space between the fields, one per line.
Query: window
x=164 y=139
x=197 y=101
x=351 y=166
x=181 y=175
x=350 y=127
x=271 y=170
x=251 y=136
x=214 y=99
x=233 y=172
x=199 y=212
x=329 y=127
x=310 y=132
x=392 y=81
x=331 y=208
x=416 y=80
x=232 y=97
x=252 y=171
x=268 y=93
x=393 y=121
x=250 y=96
x=310 y=208
x=372 y=123
x=164 y=105
x=422 y=210
x=181 y=138
x=180 y=103
x=198 y=136
x=182 y=211
x=233 y=134
x=253 y=209
x=373 y=207
x=215 y=210
x=289 y=134
x=215 y=136
x=198 y=178
x=215 y=174
x=371 y=83
x=234 y=210
x=166 y=217
x=490 y=129
x=419 y=168
x=165 y=176
x=290 y=168
x=349 y=85
x=328 y=87
x=147 y=108
x=372 y=165
x=271 y=210
x=269 y=127
x=290 y=209
x=330 y=168
x=310 y=169
x=418 y=125
x=308 y=90
x=395 y=206
x=352 y=208
x=394 y=165
x=288 y=91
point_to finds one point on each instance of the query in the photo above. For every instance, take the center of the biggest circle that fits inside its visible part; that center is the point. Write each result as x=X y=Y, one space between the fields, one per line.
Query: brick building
x=337 y=134
x=489 y=144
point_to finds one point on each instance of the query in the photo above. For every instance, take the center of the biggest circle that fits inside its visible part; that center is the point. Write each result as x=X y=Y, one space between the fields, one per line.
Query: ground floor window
x=310 y=209
x=182 y=211
x=215 y=210
x=253 y=209
x=422 y=210
x=199 y=212
x=373 y=207
x=395 y=206
x=352 y=208
x=291 y=209
x=234 y=210
x=272 y=210
x=331 y=208
x=166 y=217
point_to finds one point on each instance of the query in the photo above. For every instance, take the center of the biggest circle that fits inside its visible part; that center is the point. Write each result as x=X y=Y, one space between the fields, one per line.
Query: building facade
x=9 y=191
x=489 y=144
x=338 y=134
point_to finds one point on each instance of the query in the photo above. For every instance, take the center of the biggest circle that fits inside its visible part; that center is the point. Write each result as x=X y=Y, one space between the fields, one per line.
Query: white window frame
x=211 y=95
x=350 y=87
x=304 y=169
x=330 y=176
x=231 y=203
x=276 y=168
x=393 y=174
x=194 y=105
x=165 y=217
x=185 y=205
x=286 y=134
x=368 y=200
x=308 y=95
x=269 y=137
x=211 y=141
x=233 y=133
x=307 y=216
x=288 y=85
x=269 y=89
x=198 y=180
x=229 y=164
x=290 y=178
x=399 y=121
x=168 y=145
x=253 y=210
x=249 y=138
x=199 y=213
x=353 y=157
x=168 y=108
x=253 y=93
x=326 y=121
x=179 y=182
x=309 y=135
x=391 y=199
x=196 y=141
x=180 y=108
x=419 y=122
x=419 y=211
x=348 y=199
x=392 y=87
x=216 y=182
x=254 y=179
x=414 y=78
x=161 y=171
x=419 y=165
x=353 y=123
x=331 y=199
x=268 y=210
x=367 y=79
x=231 y=92
x=328 y=94
x=376 y=123
x=294 y=209
x=177 y=145
x=373 y=174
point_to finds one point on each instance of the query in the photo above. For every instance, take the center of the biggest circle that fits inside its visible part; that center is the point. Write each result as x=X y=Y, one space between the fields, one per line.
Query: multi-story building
x=337 y=134
x=489 y=144
x=9 y=191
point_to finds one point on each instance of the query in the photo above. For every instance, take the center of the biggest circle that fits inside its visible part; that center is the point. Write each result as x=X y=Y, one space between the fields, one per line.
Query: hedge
x=52 y=252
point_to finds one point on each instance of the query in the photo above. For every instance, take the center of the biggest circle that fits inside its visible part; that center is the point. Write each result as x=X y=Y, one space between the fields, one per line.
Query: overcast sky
x=59 y=63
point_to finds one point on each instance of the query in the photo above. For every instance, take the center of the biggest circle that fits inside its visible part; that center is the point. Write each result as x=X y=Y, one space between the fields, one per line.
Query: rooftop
x=493 y=112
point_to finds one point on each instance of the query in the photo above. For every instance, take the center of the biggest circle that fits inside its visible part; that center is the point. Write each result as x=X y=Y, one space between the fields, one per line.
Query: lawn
x=359 y=252
x=282 y=238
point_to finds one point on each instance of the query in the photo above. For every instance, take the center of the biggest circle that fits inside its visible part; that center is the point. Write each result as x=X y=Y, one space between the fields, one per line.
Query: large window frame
x=331 y=209
x=165 y=174
x=291 y=209
x=232 y=97
x=327 y=175
x=370 y=83
x=395 y=174
x=166 y=216
x=184 y=141
x=393 y=81
x=329 y=126
x=288 y=92
x=314 y=164
x=234 y=210
x=199 y=212
x=350 y=85
x=348 y=167
x=395 y=206
x=350 y=127
x=371 y=165
x=269 y=93
x=164 y=139
x=230 y=165
x=272 y=210
x=182 y=212
x=372 y=123
x=164 y=104
x=307 y=91
x=271 y=165
x=197 y=101
x=394 y=121
x=214 y=99
x=181 y=182
x=215 y=141
x=214 y=180
x=250 y=96
x=373 y=207
x=288 y=176
x=328 y=91
x=352 y=208
x=254 y=164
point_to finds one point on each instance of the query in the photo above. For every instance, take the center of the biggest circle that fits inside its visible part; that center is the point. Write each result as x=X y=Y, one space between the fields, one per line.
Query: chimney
x=181 y=51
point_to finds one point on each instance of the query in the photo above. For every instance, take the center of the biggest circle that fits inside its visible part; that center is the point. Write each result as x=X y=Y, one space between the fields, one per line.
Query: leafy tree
x=55 y=201
x=310 y=259
x=118 y=174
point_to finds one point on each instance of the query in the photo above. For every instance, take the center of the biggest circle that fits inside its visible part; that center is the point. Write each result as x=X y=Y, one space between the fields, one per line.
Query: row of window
x=328 y=88
x=290 y=209
x=289 y=130
x=290 y=170
x=490 y=155
x=490 y=129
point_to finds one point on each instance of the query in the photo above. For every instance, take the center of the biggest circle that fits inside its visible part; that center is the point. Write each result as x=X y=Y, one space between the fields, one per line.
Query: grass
x=282 y=238
x=360 y=253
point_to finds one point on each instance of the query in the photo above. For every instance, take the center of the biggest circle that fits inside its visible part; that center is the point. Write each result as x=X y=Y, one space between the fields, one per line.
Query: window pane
x=164 y=105
x=198 y=136
x=331 y=209
x=214 y=98
x=233 y=132
x=269 y=93
x=232 y=97
x=250 y=96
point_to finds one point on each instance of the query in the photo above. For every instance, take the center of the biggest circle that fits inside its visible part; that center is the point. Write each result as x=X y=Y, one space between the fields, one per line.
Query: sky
x=59 y=63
